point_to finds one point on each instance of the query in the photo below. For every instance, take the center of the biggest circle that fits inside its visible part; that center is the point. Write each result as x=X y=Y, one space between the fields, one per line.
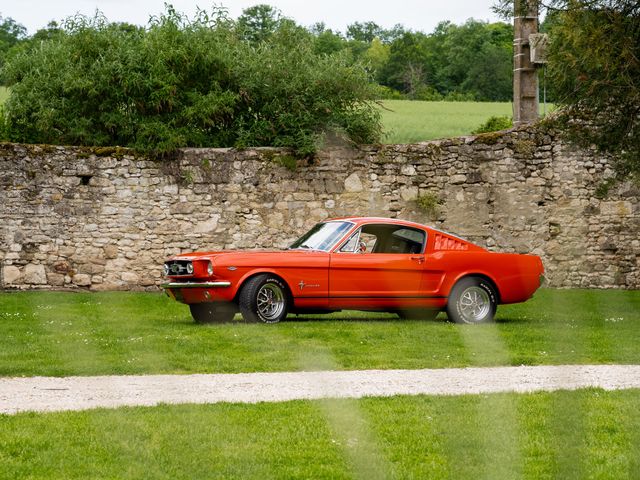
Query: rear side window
x=385 y=238
x=405 y=240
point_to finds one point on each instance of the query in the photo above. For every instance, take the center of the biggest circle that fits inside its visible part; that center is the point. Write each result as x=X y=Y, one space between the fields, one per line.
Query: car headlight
x=166 y=269
x=210 y=268
x=189 y=268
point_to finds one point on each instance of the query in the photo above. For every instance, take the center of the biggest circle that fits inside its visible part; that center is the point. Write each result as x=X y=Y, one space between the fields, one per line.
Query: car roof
x=395 y=221
x=363 y=220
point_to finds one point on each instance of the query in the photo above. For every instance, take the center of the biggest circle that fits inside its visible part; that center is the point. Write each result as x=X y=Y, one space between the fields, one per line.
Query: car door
x=388 y=273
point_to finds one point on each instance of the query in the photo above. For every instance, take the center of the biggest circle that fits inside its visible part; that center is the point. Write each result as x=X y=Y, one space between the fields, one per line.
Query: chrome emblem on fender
x=302 y=285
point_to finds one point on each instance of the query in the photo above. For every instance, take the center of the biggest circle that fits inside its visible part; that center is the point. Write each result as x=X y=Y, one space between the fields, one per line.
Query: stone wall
x=104 y=218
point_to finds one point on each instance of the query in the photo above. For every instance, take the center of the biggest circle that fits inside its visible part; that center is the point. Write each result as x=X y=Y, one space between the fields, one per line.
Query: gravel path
x=48 y=394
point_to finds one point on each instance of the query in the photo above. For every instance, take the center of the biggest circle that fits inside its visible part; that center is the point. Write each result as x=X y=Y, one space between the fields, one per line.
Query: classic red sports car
x=369 y=264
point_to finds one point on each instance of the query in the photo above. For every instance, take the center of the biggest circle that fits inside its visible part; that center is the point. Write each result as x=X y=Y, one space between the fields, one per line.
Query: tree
x=182 y=82
x=473 y=59
x=594 y=67
x=476 y=58
x=364 y=31
x=377 y=55
x=259 y=22
x=11 y=33
x=326 y=41
x=408 y=63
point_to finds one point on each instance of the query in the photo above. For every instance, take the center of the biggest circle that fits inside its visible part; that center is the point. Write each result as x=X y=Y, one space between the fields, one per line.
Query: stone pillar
x=525 y=77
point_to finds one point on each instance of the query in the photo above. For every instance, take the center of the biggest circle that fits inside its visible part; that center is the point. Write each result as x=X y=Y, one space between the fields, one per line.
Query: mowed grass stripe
x=411 y=437
x=60 y=334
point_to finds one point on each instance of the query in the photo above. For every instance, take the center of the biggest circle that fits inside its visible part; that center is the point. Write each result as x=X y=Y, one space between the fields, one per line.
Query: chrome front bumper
x=219 y=284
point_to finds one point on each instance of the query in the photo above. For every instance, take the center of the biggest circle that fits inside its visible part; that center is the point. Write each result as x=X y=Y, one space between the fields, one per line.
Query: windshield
x=322 y=236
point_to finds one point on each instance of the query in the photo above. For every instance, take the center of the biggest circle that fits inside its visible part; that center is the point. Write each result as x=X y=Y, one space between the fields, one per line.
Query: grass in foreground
x=57 y=334
x=410 y=121
x=4 y=94
x=568 y=435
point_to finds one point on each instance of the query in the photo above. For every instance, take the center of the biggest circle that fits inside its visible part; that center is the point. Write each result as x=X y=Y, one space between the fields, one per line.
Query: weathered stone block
x=110 y=251
x=207 y=225
x=353 y=184
x=11 y=275
x=35 y=274
x=81 y=280
x=409 y=193
x=332 y=186
x=55 y=279
x=130 y=278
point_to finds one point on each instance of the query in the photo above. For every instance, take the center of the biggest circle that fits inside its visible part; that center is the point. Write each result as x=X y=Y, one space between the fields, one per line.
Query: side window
x=350 y=246
x=402 y=240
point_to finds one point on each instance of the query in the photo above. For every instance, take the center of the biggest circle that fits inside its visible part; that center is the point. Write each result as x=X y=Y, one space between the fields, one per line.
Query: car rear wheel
x=264 y=299
x=213 y=312
x=472 y=300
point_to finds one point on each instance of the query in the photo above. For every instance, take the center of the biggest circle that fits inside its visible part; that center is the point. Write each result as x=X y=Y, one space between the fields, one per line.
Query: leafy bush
x=456 y=96
x=494 y=124
x=429 y=203
x=427 y=94
x=386 y=93
x=183 y=82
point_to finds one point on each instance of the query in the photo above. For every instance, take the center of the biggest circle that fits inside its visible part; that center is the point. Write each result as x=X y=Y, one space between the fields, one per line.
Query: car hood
x=249 y=257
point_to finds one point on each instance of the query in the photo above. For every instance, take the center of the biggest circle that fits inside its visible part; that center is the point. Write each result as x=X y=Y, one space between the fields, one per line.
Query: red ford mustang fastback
x=370 y=264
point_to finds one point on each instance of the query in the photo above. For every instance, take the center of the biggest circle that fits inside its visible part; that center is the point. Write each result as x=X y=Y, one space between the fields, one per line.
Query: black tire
x=211 y=312
x=472 y=300
x=417 y=314
x=264 y=298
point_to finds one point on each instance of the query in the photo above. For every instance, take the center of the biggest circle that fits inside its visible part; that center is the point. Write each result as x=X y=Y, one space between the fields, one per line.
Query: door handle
x=419 y=259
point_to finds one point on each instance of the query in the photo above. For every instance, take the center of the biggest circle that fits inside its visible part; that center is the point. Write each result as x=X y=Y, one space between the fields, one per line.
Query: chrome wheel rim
x=270 y=301
x=474 y=304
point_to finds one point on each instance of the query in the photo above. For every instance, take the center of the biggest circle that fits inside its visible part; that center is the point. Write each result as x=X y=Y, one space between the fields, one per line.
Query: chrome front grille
x=177 y=267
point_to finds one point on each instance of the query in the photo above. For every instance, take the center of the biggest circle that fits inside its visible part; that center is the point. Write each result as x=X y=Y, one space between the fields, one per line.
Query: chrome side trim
x=219 y=284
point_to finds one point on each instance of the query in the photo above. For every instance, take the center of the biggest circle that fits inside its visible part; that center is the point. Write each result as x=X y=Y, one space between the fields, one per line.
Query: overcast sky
x=421 y=15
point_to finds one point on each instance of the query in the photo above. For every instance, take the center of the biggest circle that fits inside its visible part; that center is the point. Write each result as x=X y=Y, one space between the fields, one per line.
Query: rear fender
x=450 y=283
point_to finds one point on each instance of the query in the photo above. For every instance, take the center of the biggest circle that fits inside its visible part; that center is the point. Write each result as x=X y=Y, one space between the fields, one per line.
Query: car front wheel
x=472 y=300
x=264 y=299
x=213 y=312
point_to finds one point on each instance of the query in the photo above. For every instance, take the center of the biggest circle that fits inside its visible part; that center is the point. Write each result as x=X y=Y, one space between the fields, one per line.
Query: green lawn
x=56 y=333
x=415 y=121
x=562 y=435
x=570 y=435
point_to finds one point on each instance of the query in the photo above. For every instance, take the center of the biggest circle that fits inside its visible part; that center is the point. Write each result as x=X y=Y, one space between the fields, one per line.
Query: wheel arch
x=483 y=276
x=256 y=273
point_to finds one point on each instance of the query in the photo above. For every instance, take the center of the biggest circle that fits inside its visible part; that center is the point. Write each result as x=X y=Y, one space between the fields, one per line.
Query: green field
x=415 y=121
x=563 y=435
x=57 y=333
x=407 y=121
